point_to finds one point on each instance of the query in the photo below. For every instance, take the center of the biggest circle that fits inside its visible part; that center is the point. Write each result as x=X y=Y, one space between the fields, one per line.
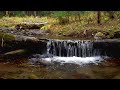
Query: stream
x=67 y=59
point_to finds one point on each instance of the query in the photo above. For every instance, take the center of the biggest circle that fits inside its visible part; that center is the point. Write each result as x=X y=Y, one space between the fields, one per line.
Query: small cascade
x=78 y=51
x=69 y=48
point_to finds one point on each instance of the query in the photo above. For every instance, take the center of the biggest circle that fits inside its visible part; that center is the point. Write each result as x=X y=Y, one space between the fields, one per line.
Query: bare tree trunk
x=6 y=13
x=98 y=17
x=35 y=13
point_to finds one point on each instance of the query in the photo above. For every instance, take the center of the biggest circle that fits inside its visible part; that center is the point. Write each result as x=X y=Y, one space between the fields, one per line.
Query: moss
x=99 y=34
x=6 y=37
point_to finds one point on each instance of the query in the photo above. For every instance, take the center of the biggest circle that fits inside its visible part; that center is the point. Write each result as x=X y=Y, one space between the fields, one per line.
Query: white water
x=73 y=60
x=69 y=48
x=68 y=51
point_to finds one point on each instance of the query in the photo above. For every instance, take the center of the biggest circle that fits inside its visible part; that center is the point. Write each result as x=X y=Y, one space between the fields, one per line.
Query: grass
x=107 y=25
x=12 y=21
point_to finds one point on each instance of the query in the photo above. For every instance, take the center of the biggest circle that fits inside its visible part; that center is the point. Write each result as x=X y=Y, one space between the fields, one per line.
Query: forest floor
x=81 y=29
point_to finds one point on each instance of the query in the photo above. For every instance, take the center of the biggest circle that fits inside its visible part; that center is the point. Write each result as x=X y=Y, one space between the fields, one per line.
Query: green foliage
x=19 y=13
x=63 y=14
x=60 y=14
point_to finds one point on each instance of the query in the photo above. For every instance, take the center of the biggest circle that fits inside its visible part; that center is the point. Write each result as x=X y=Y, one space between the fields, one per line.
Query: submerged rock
x=13 y=55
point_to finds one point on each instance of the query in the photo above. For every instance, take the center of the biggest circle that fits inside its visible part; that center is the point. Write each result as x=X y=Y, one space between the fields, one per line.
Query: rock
x=40 y=61
x=99 y=35
x=6 y=36
x=25 y=38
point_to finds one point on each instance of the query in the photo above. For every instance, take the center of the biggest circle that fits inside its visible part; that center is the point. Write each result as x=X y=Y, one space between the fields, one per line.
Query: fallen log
x=15 y=52
x=30 y=25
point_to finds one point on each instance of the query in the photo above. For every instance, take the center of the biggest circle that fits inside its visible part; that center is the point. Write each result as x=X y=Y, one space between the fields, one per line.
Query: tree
x=62 y=16
x=6 y=13
x=98 y=17
x=35 y=13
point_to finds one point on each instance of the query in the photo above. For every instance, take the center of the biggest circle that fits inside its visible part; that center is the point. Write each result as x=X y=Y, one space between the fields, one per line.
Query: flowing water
x=75 y=51
x=72 y=59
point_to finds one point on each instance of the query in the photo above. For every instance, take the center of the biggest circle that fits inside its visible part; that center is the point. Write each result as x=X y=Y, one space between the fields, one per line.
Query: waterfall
x=69 y=48
x=78 y=51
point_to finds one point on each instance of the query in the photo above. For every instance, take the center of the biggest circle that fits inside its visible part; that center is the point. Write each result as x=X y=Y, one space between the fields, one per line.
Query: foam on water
x=73 y=60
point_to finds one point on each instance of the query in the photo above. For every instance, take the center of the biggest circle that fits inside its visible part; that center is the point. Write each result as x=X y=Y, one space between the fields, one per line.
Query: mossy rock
x=99 y=35
x=6 y=37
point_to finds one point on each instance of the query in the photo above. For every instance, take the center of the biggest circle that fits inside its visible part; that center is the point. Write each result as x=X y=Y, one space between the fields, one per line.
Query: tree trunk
x=98 y=17
x=6 y=13
x=35 y=13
